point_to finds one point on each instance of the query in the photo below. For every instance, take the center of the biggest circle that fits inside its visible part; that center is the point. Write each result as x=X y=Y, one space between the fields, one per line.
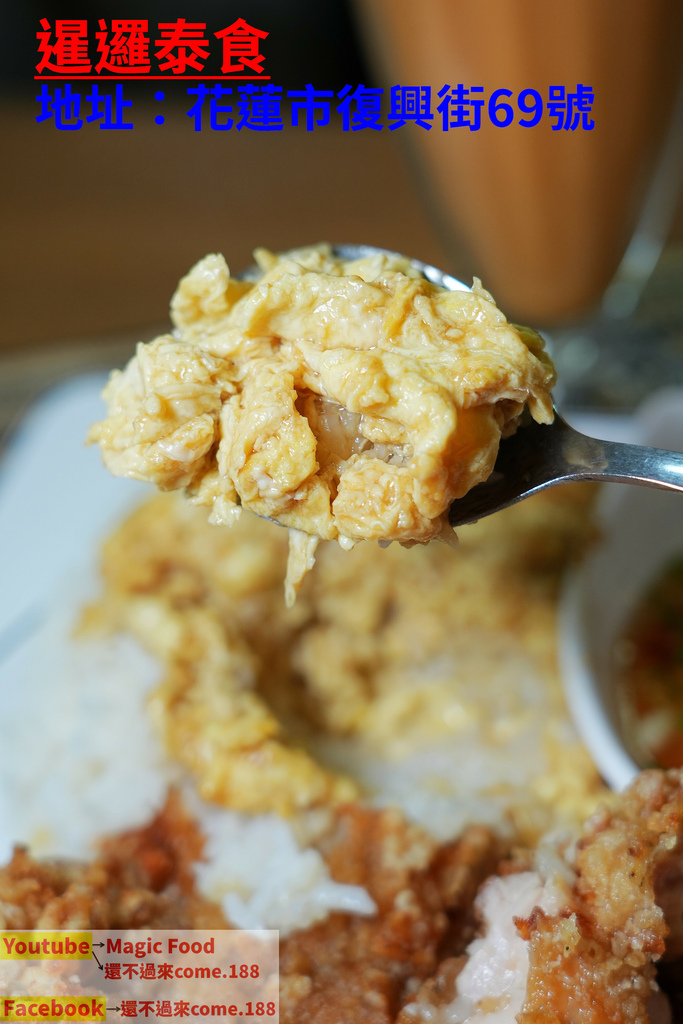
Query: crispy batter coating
x=573 y=976
x=141 y=879
x=382 y=645
x=596 y=963
x=346 y=400
x=629 y=867
x=592 y=946
x=364 y=969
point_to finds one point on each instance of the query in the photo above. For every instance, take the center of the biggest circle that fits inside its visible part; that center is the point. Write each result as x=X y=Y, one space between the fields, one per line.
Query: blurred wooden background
x=98 y=226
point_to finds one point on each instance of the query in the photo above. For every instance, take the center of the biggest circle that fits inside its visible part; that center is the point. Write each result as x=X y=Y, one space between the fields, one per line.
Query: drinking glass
x=560 y=223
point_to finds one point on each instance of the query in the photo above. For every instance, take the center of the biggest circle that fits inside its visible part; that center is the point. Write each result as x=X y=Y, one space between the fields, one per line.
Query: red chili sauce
x=649 y=665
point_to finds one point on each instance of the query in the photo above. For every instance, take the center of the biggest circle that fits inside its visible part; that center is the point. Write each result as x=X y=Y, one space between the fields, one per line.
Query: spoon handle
x=635 y=464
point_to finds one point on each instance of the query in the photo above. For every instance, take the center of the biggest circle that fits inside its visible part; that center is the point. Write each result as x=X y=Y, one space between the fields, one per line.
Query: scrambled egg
x=346 y=400
x=391 y=650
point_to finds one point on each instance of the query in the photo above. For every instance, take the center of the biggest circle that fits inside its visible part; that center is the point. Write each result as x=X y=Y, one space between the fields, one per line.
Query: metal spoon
x=539 y=456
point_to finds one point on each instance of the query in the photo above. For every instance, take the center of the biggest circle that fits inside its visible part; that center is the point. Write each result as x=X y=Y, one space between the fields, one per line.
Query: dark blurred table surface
x=99 y=226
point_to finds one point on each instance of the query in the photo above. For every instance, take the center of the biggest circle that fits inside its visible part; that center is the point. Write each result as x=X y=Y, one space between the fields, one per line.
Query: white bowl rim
x=658 y=422
x=583 y=696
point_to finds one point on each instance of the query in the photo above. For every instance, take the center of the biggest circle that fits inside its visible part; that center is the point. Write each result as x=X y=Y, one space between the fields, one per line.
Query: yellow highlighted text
x=45 y=945
x=76 y=1008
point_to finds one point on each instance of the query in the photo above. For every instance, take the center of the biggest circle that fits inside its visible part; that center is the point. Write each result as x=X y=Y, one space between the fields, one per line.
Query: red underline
x=149 y=78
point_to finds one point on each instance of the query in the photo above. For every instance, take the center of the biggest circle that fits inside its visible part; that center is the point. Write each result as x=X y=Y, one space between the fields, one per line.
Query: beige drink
x=547 y=214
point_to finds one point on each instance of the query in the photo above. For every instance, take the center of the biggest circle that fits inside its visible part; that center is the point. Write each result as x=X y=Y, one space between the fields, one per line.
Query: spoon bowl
x=537 y=456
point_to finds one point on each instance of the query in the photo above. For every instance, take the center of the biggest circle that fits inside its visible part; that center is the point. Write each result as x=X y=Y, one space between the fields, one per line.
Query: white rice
x=78 y=757
x=475 y=775
x=272 y=883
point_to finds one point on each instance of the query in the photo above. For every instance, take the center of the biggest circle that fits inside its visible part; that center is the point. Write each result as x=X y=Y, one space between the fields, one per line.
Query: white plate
x=57 y=501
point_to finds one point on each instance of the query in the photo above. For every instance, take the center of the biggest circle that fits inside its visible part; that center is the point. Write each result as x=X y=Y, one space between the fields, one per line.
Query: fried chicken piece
x=361 y=970
x=574 y=975
x=491 y=978
x=562 y=944
x=629 y=865
x=141 y=879
x=629 y=886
